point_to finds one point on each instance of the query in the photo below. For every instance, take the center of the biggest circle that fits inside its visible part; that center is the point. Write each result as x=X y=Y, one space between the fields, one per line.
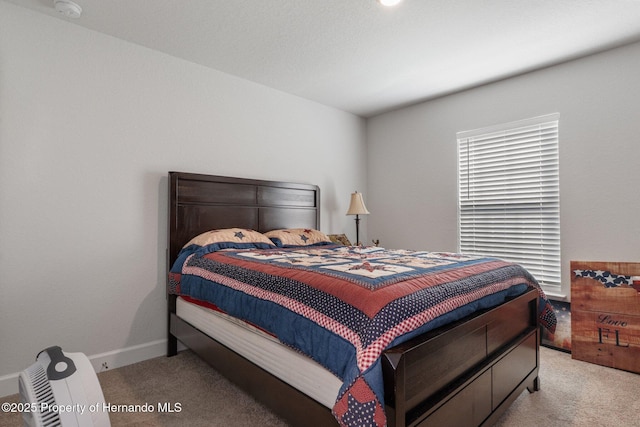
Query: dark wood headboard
x=199 y=203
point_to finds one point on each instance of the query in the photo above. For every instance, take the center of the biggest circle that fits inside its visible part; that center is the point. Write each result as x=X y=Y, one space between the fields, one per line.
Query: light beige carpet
x=573 y=393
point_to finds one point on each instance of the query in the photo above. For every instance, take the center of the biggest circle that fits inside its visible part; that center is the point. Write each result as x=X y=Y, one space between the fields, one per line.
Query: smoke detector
x=68 y=8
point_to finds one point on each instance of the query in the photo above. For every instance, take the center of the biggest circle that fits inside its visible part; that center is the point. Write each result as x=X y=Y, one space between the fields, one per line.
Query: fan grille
x=41 y=394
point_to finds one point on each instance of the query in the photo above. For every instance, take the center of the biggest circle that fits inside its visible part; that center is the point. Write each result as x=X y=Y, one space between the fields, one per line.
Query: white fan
x=62 y=389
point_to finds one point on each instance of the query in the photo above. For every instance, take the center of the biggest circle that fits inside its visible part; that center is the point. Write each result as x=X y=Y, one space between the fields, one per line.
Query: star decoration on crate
x=609 y=279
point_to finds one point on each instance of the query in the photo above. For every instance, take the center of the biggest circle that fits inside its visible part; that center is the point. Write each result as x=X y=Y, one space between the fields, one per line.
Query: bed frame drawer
x=485 y=390
x=468 y=408
x=507 y=373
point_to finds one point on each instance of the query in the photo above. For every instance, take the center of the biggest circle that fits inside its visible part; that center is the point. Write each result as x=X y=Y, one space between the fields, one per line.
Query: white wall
x=89 y=128
x=412 y=157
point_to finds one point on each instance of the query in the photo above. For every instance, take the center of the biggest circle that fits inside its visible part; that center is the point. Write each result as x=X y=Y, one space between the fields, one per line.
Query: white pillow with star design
x=298 y=237
x=232 y=238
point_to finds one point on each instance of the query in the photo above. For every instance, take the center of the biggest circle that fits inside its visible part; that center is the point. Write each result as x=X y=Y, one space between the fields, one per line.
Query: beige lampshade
x=357 y=207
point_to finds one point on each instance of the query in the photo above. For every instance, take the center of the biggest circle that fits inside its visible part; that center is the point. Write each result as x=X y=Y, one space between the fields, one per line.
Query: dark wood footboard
x=466 y=373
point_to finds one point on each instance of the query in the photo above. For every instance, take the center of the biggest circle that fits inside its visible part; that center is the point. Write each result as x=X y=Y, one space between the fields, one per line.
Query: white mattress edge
x=264 y=350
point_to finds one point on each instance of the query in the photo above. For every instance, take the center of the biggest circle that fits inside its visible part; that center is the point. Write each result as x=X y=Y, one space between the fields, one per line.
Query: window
x=509 y=203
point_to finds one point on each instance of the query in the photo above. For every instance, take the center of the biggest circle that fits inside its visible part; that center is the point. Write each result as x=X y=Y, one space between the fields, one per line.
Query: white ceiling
x=358 y=56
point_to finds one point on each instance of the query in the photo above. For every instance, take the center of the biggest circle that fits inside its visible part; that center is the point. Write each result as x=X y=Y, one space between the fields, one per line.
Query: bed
x=465 y=372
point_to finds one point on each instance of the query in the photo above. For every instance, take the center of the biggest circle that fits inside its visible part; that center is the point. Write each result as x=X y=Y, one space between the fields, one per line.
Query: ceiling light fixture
x=68 y=8
x=389 y=3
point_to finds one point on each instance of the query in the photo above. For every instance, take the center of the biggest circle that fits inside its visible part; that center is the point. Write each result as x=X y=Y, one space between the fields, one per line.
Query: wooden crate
x=605 y=313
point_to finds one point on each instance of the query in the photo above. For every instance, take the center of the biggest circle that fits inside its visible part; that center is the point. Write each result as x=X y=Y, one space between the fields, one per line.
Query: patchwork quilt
x=343 y=305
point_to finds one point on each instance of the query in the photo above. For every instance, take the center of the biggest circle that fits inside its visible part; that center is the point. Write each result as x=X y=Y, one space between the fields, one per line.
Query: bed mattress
x=264 y=350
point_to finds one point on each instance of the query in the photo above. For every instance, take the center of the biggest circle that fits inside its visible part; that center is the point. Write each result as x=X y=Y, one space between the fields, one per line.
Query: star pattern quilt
x=343 y=306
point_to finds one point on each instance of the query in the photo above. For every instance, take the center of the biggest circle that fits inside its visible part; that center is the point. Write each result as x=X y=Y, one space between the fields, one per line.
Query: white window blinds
x=509 y=204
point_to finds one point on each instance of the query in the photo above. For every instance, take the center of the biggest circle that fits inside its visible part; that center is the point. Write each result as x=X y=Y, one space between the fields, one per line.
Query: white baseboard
x=101 y=362
x=127 y=356
x=9 y=384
